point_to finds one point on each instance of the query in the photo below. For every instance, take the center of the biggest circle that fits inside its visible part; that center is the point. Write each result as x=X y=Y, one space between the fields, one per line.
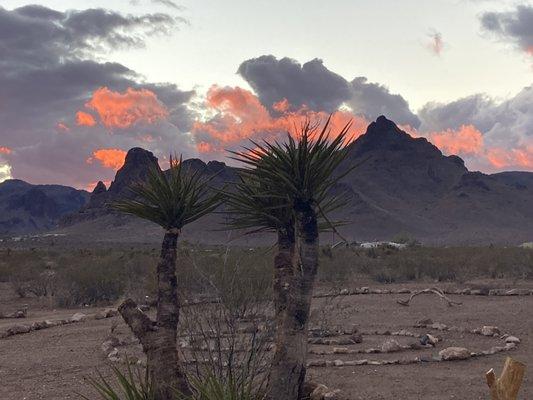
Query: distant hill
x=402 y=186
x=27 y=208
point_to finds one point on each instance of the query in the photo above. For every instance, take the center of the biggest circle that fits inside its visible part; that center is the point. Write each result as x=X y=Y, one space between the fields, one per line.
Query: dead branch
x=506 y=387
x=433 y=290
x=139 y=322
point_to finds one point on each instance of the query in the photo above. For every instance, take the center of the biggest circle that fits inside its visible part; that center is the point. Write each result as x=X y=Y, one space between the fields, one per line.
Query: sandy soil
x=52 y=363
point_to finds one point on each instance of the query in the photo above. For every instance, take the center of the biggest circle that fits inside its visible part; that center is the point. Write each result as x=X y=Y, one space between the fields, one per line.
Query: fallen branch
x=506 y=387
x=434 y=290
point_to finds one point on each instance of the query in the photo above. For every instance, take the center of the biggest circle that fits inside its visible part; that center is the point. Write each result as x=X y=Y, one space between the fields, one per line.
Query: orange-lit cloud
x=241 y=116
x=109 y=158
x=122 y=110
x=529 y=50
x=465 y=140
x=504 y=158
x=5 y=150
x=84 y=119
x=281 y=106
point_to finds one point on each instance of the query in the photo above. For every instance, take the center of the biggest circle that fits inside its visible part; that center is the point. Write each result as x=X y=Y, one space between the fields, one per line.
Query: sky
x=81 y=82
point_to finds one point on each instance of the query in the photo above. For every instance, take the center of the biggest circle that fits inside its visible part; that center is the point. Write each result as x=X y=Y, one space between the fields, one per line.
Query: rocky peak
x=136 y=166
x=99 y=188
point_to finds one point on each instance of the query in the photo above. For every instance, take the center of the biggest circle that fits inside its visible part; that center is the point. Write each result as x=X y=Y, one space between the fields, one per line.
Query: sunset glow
x=122 y=110
x=109 y=158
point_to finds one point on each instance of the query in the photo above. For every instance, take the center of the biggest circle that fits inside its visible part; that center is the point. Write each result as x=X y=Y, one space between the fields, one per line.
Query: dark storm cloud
x=512 y=26
x=507 y=124
x=315 y=86
x=310 y=84
x=49 y=69
x=373 y=100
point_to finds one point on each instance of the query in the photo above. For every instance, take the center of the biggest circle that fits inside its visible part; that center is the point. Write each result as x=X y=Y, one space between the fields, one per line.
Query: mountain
x=400 y=186
x=26 y=208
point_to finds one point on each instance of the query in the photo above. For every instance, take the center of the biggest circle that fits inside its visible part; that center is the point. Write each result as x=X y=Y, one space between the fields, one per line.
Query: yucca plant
x=134 y=384
x=171 y=199
x=286 y=188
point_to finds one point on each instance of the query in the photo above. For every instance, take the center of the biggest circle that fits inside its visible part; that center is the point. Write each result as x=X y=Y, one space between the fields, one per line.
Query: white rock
x=512 y=339
x=390 y=346
x=490 y=330
x=454 y=353
x=78 y=317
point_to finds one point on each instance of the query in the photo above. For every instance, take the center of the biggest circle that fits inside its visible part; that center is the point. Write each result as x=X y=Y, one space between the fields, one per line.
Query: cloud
x=314 y=86
x=50 y=67
x=463 y=141
x=436 y=44
x=122 y=110
x=109 y=158
x=84 y=119
x=506 y=128
x=240 y=116
x=515 y=26
x=168 y=3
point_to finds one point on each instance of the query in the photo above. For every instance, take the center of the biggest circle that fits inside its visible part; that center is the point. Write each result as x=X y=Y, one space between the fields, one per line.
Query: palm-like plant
x=172 y=200
x=285 y=188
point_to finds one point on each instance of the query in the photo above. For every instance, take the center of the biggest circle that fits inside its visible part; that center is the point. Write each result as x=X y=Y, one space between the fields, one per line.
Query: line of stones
x=464 y=292
x=19 y=329
x=447 y=354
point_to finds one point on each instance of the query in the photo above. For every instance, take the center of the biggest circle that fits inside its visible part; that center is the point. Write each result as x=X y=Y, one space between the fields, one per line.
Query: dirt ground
x=51 y=364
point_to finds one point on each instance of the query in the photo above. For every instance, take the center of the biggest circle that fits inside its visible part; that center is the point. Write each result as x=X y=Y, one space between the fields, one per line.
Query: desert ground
x=54 y=363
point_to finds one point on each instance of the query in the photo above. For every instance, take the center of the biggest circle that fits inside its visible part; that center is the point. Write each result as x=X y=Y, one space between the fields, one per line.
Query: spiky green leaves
x=171 y=199
x=279 y=178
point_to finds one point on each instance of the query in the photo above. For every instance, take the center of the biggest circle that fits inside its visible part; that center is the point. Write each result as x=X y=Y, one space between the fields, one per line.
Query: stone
x=78 y=317
x=361 y=362
x=422 y=323
x=316 y=363
x=338 y=363
x=319 y=392
x=340 y=350
x=38 y=325
x=344 y=292
x=428 y=339
x=333 y=395
x=439 y=326
x=18 y=329
x=489 y=330
x=390 y=346
x=512 y=339
x=454 y=353
x=510 y=346
x=357 y=338
x=144 y=307
x=113 y=356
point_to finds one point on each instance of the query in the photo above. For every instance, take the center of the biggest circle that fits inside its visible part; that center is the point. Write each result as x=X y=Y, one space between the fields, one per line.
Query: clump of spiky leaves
x=171 y=199
x=280 y=177
x=213 y=388
x=134 y=384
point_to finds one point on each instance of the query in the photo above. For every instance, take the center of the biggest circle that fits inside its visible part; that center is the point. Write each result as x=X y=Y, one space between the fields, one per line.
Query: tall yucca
x=286 y=188
x=172 y=200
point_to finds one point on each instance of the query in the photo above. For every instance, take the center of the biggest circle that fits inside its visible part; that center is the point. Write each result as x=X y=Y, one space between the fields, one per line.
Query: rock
x=352 y=330
x=18 y=329
x=439 y=326
x=488 y=330
x=428 y=339
x=113 y=356
x=422 y=323
x=78 y=317
x=316 y=363
x=340 y=350
x=338 y=363
x=512 y=339
x=344 y=292
x=308 y=388
x=144 y=307
x=390 y=346
x=319 y=392
x=357 y=338
x=454 y=353
x=333 y=395
x=510 y=346
x=496 y=292
x=517 y=292
x=38 y=325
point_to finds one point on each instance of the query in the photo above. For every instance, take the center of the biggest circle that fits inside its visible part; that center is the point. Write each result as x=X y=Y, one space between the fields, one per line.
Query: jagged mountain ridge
x=402 y=185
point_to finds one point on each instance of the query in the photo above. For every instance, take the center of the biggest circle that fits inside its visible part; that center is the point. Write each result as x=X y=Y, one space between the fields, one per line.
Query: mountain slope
x=26 y=208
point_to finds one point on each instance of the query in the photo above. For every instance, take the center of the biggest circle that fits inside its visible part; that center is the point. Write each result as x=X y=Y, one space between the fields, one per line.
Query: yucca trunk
x=288 y=368
x=159 y=338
